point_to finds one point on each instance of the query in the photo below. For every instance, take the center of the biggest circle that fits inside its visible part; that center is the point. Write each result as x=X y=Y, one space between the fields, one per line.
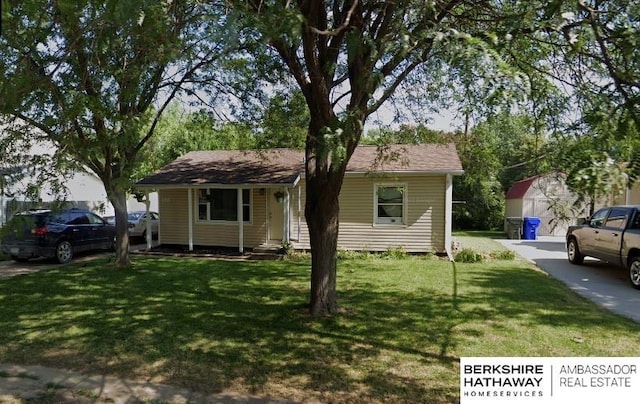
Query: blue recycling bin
x=530 y=228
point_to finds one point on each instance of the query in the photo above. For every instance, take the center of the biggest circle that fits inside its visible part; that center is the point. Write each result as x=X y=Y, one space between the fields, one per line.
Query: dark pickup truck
x=612 y=234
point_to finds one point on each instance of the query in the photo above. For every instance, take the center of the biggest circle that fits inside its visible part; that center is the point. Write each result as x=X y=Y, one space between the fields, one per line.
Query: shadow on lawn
x=215 y=325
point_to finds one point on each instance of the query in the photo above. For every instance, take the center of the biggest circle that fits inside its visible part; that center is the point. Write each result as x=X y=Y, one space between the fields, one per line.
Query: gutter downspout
x=240 y=222
x=190 y=210
x=448 y=214
x=448 y=238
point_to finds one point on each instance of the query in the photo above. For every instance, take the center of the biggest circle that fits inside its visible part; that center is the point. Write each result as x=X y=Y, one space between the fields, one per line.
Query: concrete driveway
x=11 y=268
x=598 y=281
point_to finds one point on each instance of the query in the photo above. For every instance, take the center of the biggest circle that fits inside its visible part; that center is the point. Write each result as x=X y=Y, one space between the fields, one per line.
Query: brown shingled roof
x=285 y=166
x=426 y=157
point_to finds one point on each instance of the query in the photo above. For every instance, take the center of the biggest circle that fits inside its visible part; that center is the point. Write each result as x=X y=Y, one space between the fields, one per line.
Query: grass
x=213 y=326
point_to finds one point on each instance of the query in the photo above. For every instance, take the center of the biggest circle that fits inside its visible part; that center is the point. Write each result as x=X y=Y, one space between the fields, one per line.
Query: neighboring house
x=397 y=198
x=83 y=190
x=543 y=196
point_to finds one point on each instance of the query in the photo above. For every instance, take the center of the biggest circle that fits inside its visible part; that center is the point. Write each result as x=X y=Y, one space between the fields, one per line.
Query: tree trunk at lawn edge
x=119 y=201
x=322 y=221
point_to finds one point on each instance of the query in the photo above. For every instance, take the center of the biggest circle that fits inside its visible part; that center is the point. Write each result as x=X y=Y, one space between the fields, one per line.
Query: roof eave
x=401 y=172
x=219 y=185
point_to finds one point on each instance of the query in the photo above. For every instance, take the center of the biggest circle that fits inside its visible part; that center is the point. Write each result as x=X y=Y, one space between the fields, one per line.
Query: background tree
x=284 y=122
x=495 y=153
x=87 y=74
x=281 y=124
x=596 y=48
x=598 y=157
x=405 y=134
x=179 y=132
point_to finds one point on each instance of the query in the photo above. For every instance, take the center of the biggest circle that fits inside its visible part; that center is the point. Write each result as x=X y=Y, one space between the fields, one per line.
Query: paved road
x=598 y=281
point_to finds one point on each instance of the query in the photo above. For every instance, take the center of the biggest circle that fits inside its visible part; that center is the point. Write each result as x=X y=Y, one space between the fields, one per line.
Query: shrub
x=396 y=253
x=467 y=255
x=298 y=255
x=505 y=255
x=353 y=255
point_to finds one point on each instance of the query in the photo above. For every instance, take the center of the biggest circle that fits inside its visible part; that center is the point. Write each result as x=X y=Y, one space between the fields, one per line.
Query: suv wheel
x=64 y=252
x=573 y=252
x=634 y=272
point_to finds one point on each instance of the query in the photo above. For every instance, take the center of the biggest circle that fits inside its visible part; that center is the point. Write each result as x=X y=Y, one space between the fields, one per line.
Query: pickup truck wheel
x=573 y=253
x=634 y=272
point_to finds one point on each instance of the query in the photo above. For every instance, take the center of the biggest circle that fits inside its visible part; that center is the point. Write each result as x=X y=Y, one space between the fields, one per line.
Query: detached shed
x=541 y=196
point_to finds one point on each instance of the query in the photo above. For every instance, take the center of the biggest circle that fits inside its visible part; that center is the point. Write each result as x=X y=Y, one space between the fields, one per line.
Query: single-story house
x=401 y=196
x=542 y=196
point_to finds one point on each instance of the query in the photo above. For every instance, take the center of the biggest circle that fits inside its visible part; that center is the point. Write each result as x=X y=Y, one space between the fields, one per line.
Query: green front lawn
x=214 y=325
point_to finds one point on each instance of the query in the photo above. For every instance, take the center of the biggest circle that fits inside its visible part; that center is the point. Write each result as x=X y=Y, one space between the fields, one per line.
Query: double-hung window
x=390 y=204
x=221 y=204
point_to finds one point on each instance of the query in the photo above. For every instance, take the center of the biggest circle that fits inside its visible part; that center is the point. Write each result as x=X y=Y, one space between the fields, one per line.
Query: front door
x=275 y=205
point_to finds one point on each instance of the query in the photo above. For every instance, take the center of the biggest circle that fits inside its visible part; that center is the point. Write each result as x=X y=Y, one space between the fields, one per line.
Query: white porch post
x=240 y=222
x=149 y=234
x=190 y=216
x=448 y=214
x=299 y=213
x=287 y=216
x=2 y=210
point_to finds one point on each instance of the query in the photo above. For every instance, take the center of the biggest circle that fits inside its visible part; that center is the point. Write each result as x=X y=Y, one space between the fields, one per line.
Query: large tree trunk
x=119 y=201
x=325 y=168
x=322 y=213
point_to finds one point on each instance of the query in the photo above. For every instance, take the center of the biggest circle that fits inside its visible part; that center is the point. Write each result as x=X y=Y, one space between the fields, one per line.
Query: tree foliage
x=88 y=75
x=284 y=122
x=596 y=48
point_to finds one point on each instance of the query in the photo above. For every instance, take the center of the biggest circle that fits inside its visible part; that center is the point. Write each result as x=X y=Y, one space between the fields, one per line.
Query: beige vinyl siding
x=424 y=230
x=174 y=227
x=174 y=223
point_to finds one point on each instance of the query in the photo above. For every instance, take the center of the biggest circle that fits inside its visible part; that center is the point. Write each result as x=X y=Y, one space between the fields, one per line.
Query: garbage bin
x=531 y=225
x=514 y=227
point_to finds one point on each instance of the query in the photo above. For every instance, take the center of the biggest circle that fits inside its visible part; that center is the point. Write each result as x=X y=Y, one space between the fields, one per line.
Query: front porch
x=262 y=252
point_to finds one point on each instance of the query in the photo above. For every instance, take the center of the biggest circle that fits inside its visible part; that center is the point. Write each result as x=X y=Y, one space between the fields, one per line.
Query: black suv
x=55 y=234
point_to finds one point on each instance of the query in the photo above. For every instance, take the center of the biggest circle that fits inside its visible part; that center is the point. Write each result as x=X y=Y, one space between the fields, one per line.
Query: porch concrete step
x=268 y=249
x=262 y=256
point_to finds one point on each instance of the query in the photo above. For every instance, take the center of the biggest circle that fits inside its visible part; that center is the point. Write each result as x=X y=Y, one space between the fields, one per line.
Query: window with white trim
x=221 y=204
x=389 y=203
